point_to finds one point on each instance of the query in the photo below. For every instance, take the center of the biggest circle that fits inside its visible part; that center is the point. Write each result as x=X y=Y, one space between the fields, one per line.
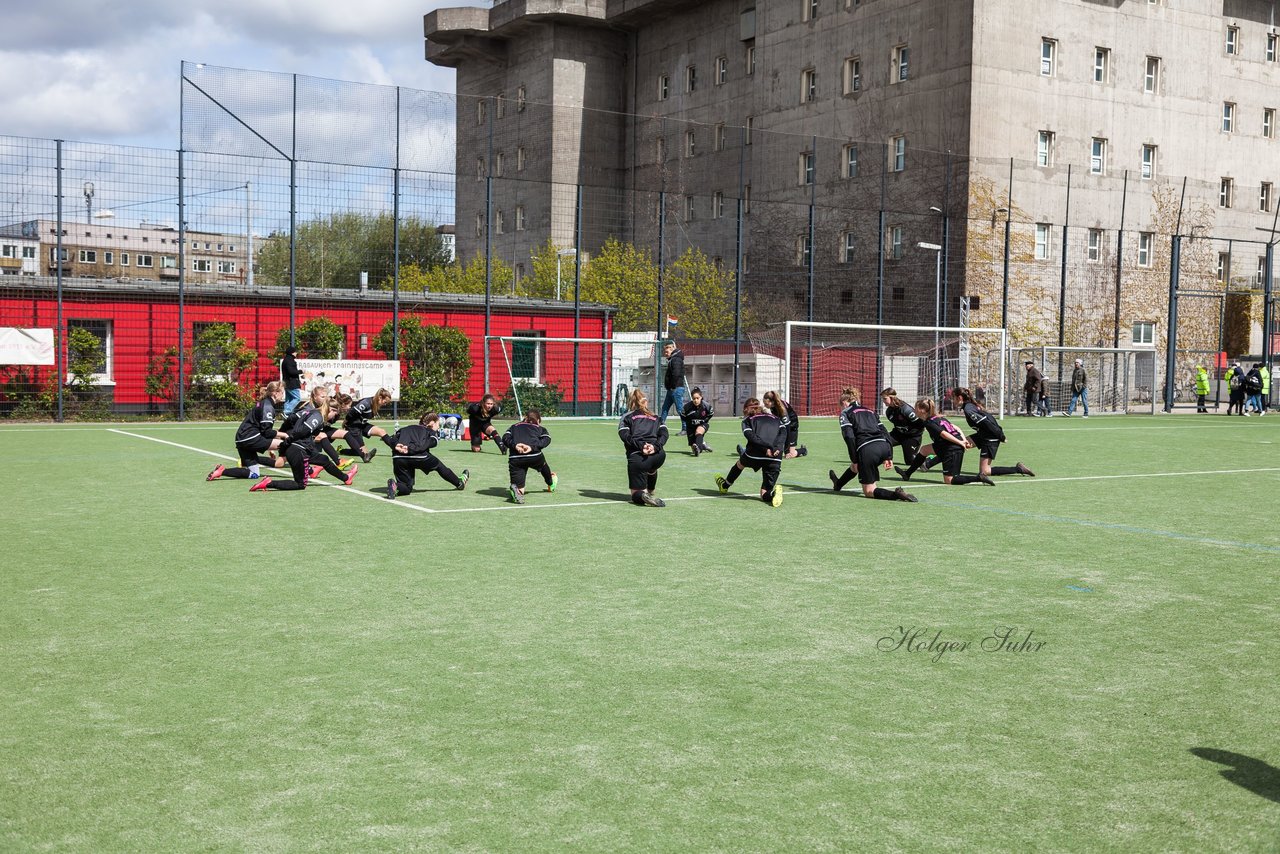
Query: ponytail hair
x=774 y=404
x=532 y=416
x=380 y=399
x=891 y=393
x=965 y=396
x=927 y=406
x=637 y=402
x=270 y=389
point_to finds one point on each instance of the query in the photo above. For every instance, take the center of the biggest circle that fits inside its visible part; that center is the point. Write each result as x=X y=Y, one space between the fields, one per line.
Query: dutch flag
x=672 y=320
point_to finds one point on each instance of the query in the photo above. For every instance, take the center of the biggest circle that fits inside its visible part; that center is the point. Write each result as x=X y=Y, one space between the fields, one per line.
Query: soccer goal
x=820 y=359
x=568 y=377
x=1118 y=381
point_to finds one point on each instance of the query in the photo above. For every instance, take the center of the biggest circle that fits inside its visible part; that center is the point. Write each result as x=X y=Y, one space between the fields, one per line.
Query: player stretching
x=525 y=440
x=481 y=414
x=908 y=429
x=411 y=453
x=357 y=426
x=256 y=435
x=785 y=413
x=301 y=428
x=697 y=418
x=766 y=446
x=869 y=448
x=988 y=436
x=643 y=435
x=948 y=443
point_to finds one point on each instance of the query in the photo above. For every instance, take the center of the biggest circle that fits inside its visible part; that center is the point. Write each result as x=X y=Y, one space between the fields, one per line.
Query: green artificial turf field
x=188 y=666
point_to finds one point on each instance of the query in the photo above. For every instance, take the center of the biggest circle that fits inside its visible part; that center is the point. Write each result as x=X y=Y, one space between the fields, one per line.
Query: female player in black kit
x=411 y=453
x=524 y=441
x=481 y=415
x=300 y=451
x=774 y=403
x=948 y=443
x=697 y=418
x=908 y=429
x=256 y=435
x=643 y=435
x=766 y=446
x=869 y=448
x=988 y=436
x=356 y=426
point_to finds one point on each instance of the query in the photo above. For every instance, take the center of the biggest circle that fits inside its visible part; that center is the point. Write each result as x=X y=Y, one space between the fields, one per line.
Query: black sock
x=962 y=479
x=844 y=478
x=449 y=477
x=241 y=473
x=915 y=464
x=884 y=494
x=653 y=481
x=734 y=471
x=999 y=470
x=327 y=446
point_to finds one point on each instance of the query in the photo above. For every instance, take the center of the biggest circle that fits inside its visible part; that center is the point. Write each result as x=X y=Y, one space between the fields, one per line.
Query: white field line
x=338 y=486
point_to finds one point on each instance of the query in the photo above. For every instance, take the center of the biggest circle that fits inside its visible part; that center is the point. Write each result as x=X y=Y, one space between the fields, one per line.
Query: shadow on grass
x=494 y=491
x=1246 y=772
x=605 y=496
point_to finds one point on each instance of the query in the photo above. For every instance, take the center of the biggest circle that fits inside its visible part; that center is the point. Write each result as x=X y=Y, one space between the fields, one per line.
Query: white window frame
x=808 y=10
x=849 y=162
x=1044 y=241
x=719 y=137
x=749 y=60
x=1232 y=45
x=717 y=204
x=804 y=248
x=690 y=143
x=898 y=153
x=900 y=71
x=847 y=248
x=1268 y=123
x=808 y=85
x=1272 y=40
x=852 y=76
x=1048 y=57
x=520 y=159
x=1098 y=156
x=664 y=87
x=227 y=268
x=1093 y=248
x=807 y=173
x=1149 y=155
x=93 y=324
x=124 y=259
x=1144 y=333
x=1224 y=266
x=1260 y=274
x=201 y=265
x=520 y=223
x=1151 y=75
x=722 y=70
x=895 y=243
x=1145 y=242
x=1228 y=117
x=1226 y=192
x=1044 y=148
x=143 y=259
x=88 y=256
x=690 y=210
x=691 y=78
x=1101 y=64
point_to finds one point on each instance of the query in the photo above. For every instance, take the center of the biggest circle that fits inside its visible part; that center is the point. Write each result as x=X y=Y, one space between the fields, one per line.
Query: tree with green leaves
x=626 y=277
x=702 y=296
x=436 y=361
x=86 y=357
x=332 y=251
x=454 y=278
x=318 y=338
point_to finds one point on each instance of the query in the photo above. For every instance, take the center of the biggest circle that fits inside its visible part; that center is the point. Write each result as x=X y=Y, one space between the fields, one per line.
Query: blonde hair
x=853 y=394
x=637 y=401
x=270 y=389
x=320 y=400
x=380 y=399
x=927 y=406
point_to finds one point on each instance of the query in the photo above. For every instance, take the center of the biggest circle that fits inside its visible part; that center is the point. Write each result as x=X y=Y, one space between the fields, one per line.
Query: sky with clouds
x=100 y=72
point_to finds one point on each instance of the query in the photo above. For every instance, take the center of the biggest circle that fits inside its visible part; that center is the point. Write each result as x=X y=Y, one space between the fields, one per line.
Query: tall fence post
x=182 y=278
x=577 y=297
x=395 y=259
x=1171 y=348
x=293 y=221
x=1268 y=310
x=1062 y=284
x=813 y=252
x=60 y=364
x=738 y=272
x=1115 y=337
x=662 y=276
x=1008 y=215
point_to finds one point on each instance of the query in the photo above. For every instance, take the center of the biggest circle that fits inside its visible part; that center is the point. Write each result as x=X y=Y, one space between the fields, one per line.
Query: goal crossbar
x=961 y=333
x=581 y=371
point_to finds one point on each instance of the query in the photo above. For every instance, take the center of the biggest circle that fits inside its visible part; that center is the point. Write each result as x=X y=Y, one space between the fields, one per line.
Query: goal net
x=1117 y=381
x=566 y=377
x=820 y=359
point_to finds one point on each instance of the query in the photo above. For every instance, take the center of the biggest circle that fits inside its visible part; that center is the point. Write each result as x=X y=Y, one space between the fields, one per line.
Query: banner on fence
x=20 y=346
x=355 y=377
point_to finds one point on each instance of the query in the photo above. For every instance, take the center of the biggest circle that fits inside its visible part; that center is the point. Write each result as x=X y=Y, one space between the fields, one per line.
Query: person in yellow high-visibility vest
x=1202 y=388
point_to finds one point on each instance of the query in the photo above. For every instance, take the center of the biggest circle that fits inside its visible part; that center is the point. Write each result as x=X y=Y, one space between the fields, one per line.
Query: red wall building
x=140 y=319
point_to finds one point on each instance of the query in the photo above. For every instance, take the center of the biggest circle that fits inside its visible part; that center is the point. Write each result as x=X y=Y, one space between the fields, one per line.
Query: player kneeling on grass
x=643 y=435
x=481 y=415
x=988 y=436
x=411 y=453
x=697 y=418
x=301 y=428
x=525 y=441
x=766 y=445
x=908 y=429
x=869 y=449
x=256 y=435
x=948 y=443
x=356 y=426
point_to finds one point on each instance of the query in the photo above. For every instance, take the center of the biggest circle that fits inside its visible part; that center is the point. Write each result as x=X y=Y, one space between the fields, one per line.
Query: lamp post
x=936 y=248
x=88 y=201
x=562 y=253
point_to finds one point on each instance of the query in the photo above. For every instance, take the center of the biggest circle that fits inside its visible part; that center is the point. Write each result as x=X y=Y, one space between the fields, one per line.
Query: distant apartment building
x=97 y=251
x=898 y=121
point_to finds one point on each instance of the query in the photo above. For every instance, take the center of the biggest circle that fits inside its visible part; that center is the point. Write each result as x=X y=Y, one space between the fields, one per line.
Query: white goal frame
x=1129 y=380
x=961 y=332
x=608 y=347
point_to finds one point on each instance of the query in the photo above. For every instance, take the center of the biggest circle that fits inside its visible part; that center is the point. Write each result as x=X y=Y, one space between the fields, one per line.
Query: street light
x=562 y=253
x=936 y=248
x=88 y=201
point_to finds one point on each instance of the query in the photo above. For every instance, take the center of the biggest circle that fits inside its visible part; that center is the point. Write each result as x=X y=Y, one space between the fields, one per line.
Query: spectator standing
x=673 y=382
x=292 y=378
x=1202 y=388
x=1079 y=388
x=1031 y=387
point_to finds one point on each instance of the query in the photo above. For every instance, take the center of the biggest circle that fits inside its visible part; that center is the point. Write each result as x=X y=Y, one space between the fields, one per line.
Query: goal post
x=1118 y=380
x=567 y=377
x=819 y=359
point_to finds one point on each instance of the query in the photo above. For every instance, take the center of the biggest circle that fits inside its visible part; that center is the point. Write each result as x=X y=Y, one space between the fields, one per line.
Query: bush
x=436 y=360
x=544 y=398
x=318 y=338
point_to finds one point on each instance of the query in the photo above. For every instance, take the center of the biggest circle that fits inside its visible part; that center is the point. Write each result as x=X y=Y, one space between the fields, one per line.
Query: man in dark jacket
x=1079 y=388
x=1031 y=387
x=292 y=377
x=673 y=382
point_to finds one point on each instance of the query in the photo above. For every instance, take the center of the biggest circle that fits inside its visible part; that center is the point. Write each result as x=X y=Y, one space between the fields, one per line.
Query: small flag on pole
x=672 y=320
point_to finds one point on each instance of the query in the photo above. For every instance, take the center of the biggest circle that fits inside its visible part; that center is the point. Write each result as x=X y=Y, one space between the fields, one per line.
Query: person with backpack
x=1235 y=386
x=1253 y=389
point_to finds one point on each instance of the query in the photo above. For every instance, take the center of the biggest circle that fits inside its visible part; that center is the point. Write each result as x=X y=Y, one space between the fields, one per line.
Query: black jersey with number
x=987 y=428
x=636 y=430
x=524 y=433
x=697 y=414
x=904 y=419
x=359 y=413
x=258 y=423
x=302 y=426
x=861 y=427
x=936 y=426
